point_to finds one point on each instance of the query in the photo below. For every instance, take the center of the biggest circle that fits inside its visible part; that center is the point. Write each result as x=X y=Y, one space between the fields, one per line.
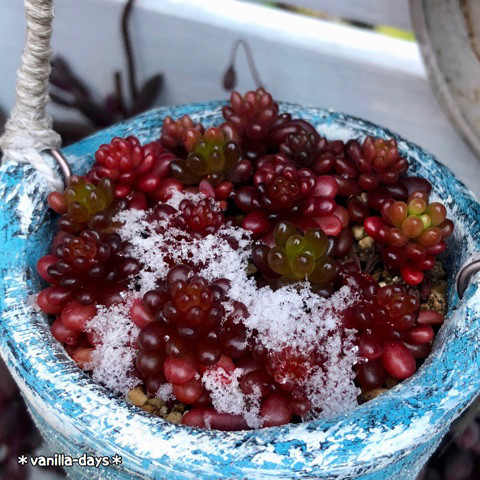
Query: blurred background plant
x=18 y=435
x=458 y=457
x=229 y=80
x=69 y=90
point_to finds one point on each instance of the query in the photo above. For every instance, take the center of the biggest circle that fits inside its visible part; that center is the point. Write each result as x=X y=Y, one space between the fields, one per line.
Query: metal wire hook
x=63 y=164
x=469 y=268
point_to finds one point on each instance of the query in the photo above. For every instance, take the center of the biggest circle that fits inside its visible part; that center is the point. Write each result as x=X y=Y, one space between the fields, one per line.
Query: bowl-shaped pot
x=390 y=437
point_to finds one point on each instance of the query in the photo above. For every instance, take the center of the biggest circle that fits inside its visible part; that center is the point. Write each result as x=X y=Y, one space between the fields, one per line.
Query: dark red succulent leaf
x=252 y=115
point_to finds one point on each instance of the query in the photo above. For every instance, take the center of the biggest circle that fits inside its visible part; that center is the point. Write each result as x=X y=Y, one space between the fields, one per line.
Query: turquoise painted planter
x=389 y=438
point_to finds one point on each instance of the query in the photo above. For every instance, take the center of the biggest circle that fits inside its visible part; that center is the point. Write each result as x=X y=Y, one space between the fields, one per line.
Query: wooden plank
x=394 y=13
x=300 y=59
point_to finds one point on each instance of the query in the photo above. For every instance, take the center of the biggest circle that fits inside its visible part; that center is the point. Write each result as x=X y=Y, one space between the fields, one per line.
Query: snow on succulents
x=249 y=274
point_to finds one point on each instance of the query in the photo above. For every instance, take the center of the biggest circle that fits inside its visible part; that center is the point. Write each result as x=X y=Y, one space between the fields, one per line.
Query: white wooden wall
x=300 y=59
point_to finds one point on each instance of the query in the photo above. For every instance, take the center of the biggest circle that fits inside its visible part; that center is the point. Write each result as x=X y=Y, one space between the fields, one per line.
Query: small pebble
x=163 y=411
x=440 y=287
x=174 y=417
x=358 y=232
x=371 y=394
x=148 y=408
x=137 y=396
x=436 y=301
x=179 y=407
x=156 y=402
x=437 y=272
x=366 y=243
x=391 y=382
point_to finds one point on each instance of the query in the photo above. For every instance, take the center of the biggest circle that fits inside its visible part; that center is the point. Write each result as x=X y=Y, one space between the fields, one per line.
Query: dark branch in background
x=230 y=76
x=3 y=121
x=117 y=97
x=70 y=91
x=127 y=44
x=147 y=95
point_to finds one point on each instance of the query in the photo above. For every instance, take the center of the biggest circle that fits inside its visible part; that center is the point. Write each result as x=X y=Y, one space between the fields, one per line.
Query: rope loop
x=28 y=131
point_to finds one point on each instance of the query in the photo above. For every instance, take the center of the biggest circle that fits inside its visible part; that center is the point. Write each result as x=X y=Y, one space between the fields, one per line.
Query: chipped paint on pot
x=388 y=438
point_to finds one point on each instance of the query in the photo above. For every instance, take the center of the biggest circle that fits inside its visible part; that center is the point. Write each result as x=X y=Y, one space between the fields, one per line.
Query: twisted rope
x=29 y=128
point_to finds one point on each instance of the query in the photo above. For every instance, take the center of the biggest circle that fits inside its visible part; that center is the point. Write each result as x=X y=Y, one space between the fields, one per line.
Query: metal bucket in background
x=448 y=33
